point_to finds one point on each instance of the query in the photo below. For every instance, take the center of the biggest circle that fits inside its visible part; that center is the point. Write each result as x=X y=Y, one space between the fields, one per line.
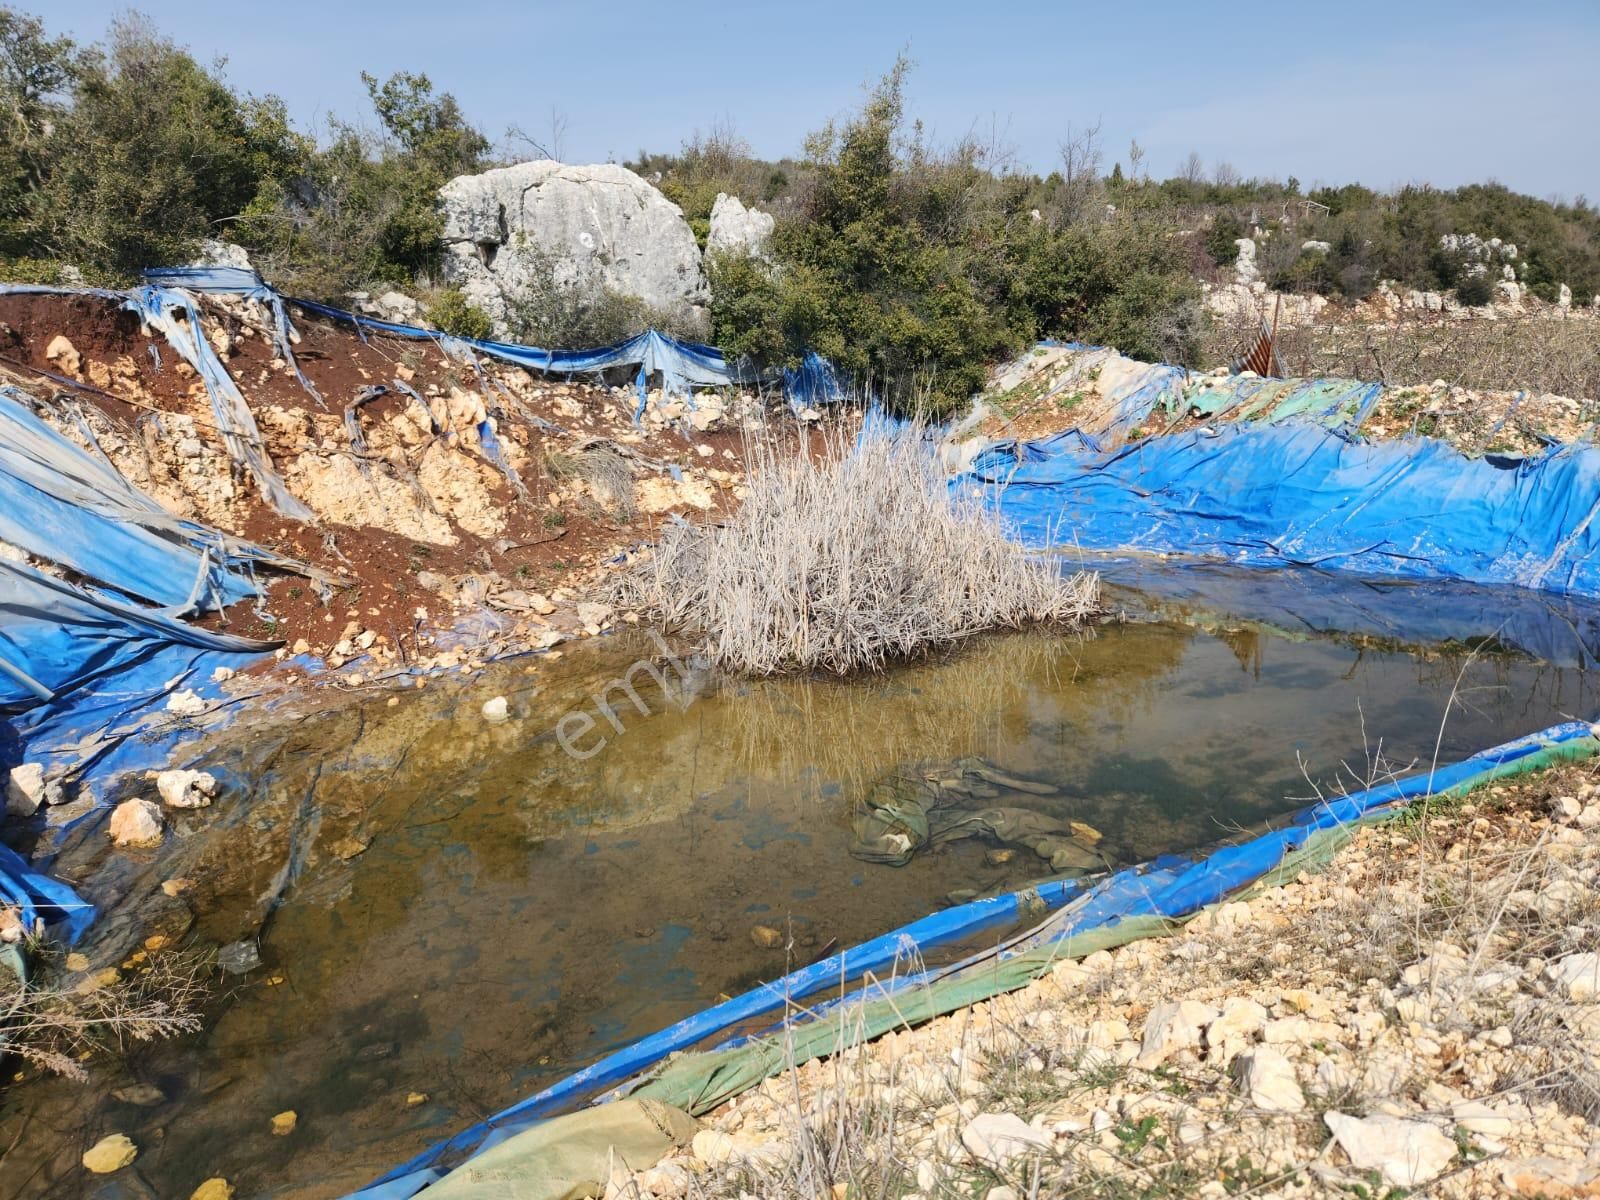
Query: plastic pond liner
x=1147 y=900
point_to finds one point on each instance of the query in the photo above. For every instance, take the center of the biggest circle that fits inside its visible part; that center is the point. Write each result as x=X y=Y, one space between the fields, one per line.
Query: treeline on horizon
x=912 y=265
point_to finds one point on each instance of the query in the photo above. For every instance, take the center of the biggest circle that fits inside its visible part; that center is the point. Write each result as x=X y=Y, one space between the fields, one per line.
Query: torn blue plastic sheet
x=1296 y=494
x=950 y=927
x=59 y=502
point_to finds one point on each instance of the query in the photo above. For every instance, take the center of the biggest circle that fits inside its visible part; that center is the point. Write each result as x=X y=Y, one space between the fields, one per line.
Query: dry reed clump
x=606 y=473
x=57 y=1028
x=846 y=564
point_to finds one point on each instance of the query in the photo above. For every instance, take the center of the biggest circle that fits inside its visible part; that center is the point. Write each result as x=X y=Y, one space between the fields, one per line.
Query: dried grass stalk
x=846 y=563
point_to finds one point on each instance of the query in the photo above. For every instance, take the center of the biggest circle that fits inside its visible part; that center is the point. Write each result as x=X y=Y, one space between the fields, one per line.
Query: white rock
x=997 y=1138
x=665 y=1181
x=737 y=229
x=216 y=253
x=1232 y=1031
x=495 y=711
x=1244 y=267
x=1577 y=975
x=1564 y=297
x=593 y=614
x=25 y=789
x=1406 y=1153
x=63 y=355
x=1565 y=809
x=1173 y=1027
x=136 y=823
x=1477 y=1117
x=186 y=789
x=1269 y=1081
x=595 y=226
x=712 y=1147
x=186 y=703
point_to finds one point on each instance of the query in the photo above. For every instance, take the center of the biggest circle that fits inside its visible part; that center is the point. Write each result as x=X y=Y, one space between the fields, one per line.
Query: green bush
x=155 y=153
x=1474 y=289
x=455 y=315
x=1221 y=240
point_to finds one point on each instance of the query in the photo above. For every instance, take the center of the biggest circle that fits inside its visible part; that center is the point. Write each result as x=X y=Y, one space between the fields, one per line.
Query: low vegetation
x=913 y=266
x=846 y=564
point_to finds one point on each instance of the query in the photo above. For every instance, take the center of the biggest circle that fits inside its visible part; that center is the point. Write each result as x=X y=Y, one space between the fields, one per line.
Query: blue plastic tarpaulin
x=1297 y=494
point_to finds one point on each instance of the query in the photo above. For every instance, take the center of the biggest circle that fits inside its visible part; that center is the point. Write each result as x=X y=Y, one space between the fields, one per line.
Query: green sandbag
x=570 y=1157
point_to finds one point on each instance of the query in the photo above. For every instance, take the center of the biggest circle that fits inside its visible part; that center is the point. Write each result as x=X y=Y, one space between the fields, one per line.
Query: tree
x=1192 y=169
x=162 y=153
x=35 y=74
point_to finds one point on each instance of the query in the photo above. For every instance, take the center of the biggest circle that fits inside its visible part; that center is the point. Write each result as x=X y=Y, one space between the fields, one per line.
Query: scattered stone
x=1550 y=1178
x=143 y=1095
x=25 y=790
x=1565 y=809
x=1171 y=1028
x=495 y=711
x=186 y=789
x=997 y=1138
x=766 y=936
x=239 y=958
x=284 y=1123
x=110 y=1153
x=186 y=703
x=136 y=823
x=1231 y=1033
x=1269 y=1081
x=216 y=1188
x=1406 y=1153
x=1577 y=975
x=347 y=848
x=12 y=930
x=64 y=355
x=176 y=887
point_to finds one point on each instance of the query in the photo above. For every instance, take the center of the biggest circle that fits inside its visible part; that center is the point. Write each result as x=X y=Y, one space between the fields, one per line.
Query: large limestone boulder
x=736 y=229
x=588 y=226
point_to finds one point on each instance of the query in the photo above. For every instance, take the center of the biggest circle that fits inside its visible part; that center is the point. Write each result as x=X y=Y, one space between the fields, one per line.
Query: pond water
x=465 y=911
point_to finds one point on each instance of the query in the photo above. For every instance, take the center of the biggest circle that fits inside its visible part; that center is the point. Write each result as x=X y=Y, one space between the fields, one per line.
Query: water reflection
x=516 y=912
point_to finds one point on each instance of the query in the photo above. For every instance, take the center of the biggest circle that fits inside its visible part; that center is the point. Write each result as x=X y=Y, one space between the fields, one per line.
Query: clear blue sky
x=1381 y=92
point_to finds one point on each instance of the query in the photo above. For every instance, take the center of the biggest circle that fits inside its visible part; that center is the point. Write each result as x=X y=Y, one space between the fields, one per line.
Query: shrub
x=154 y=152
x=846 y=564
x=454 y=314
x=1221 y=240
x=1474 y=289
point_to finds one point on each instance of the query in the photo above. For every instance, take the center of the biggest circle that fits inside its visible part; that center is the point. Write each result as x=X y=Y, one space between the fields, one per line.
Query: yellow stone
x=177 y=887
x=156 y=941
x=1087 y=834
x=416 y=1098
x=283 y=1124
x=217 y=1188
x=110 y=1153
x=77 y=962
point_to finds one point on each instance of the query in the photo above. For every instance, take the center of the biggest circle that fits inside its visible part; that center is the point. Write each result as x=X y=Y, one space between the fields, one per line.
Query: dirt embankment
x=1057 y=387
x=461 y=486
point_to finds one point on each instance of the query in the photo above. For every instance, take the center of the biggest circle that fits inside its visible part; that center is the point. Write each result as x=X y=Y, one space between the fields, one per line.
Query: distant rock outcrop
x=737 y=229
x=586 y=226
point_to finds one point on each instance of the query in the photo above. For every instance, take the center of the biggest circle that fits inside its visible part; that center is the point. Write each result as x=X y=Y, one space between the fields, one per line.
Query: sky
x=1403 y=91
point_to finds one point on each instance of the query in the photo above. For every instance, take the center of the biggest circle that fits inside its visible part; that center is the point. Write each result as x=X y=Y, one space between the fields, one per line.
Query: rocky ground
x=1422 y=1017
x=1056 y=388
x=414 y=516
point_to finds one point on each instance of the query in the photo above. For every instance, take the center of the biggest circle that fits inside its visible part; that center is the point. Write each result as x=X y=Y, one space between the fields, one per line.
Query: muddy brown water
x=518 y=911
